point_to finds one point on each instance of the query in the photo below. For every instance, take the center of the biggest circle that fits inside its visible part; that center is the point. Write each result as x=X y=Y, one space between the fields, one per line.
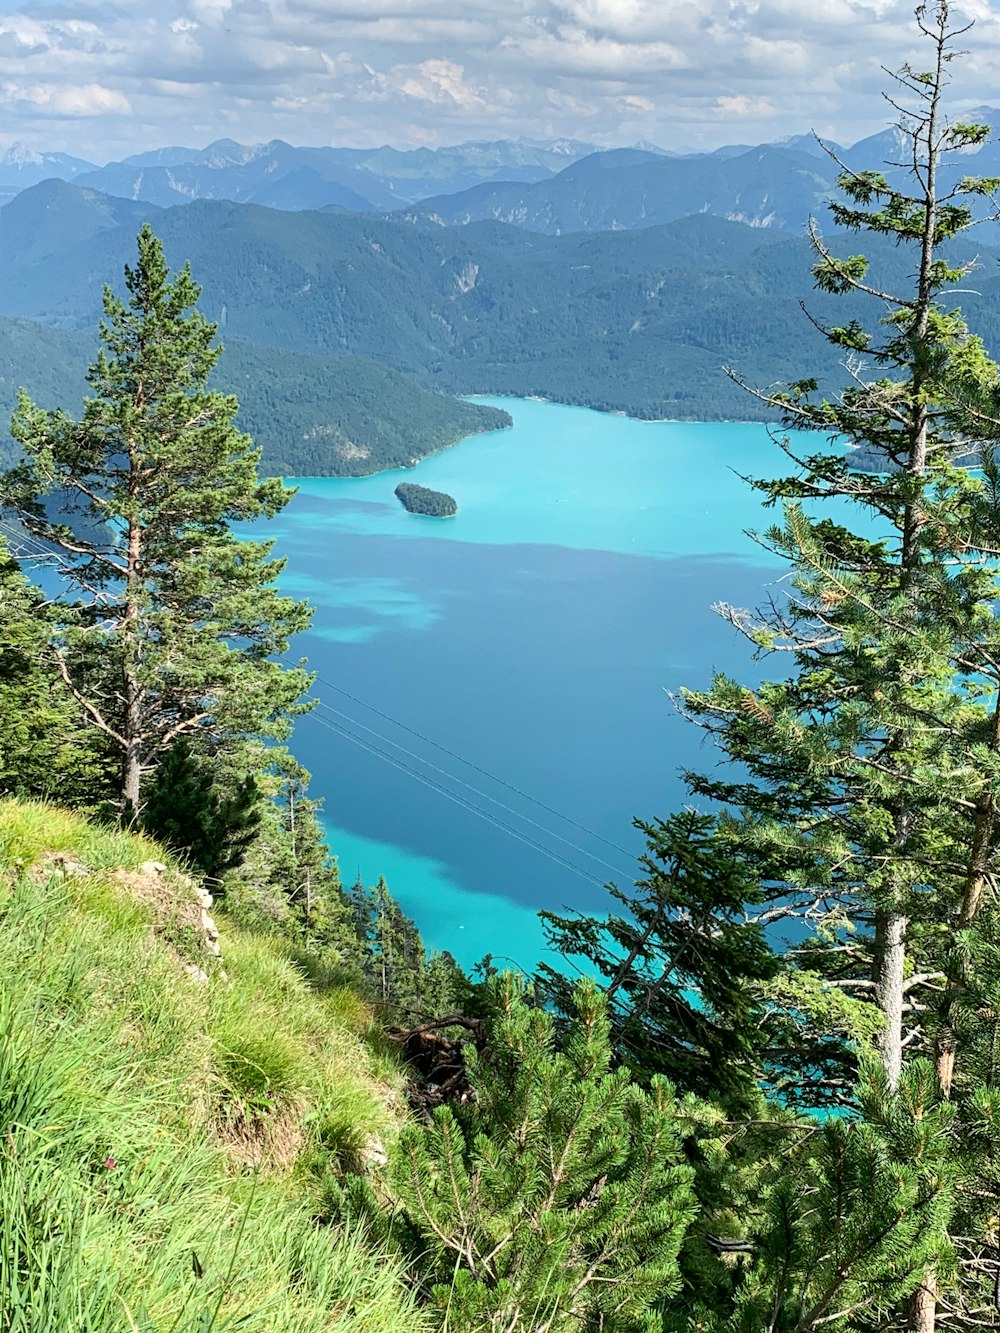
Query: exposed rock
x=467 y=279
x=211 y=933
x=174 y=900
x=61 y=863
x=373 y=1153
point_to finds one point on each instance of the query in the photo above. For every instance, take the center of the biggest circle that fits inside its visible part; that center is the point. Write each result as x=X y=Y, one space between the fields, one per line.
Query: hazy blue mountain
x=228 y=170
x=413 y=174
x=21 y=166
x=610 y=159
x=765 y=187
x=49 y=216
x=170 y=156
x=726 y=150
x=808 y=143
x=877 y=151
x=279 y=175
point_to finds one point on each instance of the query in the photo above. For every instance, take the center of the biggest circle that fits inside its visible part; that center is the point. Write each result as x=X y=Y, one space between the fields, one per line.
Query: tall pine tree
x=681 y=967
x=137 y=499
x=874 y=766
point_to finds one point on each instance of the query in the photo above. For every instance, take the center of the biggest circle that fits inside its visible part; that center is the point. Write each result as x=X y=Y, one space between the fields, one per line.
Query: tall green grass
x=161 y=1139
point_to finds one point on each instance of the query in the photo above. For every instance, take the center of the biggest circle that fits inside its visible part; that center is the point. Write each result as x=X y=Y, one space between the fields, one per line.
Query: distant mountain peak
x=19 y=154
x=228 y=153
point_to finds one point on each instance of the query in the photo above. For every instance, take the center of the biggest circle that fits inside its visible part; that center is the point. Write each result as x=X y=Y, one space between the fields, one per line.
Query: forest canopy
x=422 y=500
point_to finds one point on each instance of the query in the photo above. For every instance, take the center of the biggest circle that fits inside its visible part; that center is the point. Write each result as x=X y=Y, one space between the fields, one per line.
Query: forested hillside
x=764 y=187
x=642 y=322
x=338 y=416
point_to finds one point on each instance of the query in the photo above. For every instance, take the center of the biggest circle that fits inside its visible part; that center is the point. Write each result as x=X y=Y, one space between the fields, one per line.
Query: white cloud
x=742 y=106
x=68 y=100
x=685 y=73
x=440 y=81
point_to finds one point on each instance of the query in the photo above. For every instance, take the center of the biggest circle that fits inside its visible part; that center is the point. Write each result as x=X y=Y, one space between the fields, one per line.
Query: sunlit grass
x=165 y=1139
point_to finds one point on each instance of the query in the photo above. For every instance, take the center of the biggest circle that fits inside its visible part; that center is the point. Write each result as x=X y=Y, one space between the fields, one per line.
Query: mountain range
x=278 y=175
x=629 y=280
x=641 y=321
x=551 y=186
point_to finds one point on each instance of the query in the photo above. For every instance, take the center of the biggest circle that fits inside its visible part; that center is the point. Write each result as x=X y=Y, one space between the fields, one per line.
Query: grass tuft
x=124 y=1207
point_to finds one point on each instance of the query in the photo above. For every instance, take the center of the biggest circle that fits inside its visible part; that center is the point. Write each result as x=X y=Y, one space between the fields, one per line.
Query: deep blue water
x=537 y=634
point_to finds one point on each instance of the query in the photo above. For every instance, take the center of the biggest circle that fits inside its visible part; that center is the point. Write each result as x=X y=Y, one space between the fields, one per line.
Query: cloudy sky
x=100 y=78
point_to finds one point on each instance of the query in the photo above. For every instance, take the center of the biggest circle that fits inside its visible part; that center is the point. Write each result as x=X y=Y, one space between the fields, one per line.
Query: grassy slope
x=149 y=1117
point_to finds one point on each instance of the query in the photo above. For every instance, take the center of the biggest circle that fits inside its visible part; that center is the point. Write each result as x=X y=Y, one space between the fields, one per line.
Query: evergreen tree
x=149 y=480
x=554 y=1200
x=288 y=879
x=682 y=969
x=843 y=1235
x=412 y=985
x=45 y=748
x=873 y=767
x=192 y=813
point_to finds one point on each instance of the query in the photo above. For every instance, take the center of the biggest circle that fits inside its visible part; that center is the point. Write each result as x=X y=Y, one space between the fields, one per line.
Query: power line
x=460 y=800
x=484 y=795
x=18 y=539
x=476 y=767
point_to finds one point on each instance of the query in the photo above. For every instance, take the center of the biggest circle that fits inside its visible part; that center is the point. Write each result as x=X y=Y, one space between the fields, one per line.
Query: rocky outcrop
x=179 y=906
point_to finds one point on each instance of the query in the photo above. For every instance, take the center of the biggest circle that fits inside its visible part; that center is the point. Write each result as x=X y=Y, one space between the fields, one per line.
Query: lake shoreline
x=501 y=430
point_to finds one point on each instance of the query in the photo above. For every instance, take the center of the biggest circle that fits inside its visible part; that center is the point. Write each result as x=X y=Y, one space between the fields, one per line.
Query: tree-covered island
x=422 y=500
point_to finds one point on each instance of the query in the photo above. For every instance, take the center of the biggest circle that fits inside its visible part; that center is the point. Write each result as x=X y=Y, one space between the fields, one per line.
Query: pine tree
x=400 y=975
x=844 y=1233
x=184 y=614
x=871 y=762
x=287 y=879
x=191 y=812
x=556 y=1199
x=46 y=750
x=682 y=967
x=874 y=767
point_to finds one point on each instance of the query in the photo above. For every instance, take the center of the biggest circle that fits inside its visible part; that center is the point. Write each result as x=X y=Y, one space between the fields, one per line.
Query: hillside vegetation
x=340 y=416
x=165 y=1146
x=644 y=322
x=760 y=1091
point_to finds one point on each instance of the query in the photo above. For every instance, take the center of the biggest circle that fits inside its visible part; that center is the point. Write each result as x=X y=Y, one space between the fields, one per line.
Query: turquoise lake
x=537 y=635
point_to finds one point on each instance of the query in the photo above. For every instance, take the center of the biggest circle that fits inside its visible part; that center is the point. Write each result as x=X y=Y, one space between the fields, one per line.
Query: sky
x=103 y=78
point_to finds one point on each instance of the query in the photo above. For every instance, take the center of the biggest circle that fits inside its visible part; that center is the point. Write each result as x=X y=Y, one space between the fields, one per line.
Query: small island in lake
x=421 y=500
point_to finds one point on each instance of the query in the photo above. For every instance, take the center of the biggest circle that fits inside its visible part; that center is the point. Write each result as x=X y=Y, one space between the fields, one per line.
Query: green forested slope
x=642 y=322
x=766 y=186
x=311 y=415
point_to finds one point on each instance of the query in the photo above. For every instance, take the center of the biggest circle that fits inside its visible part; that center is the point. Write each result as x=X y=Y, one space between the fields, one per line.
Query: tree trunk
x=923 y=1318
x=132 y=730
x=132 y=764
x=890 y=961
